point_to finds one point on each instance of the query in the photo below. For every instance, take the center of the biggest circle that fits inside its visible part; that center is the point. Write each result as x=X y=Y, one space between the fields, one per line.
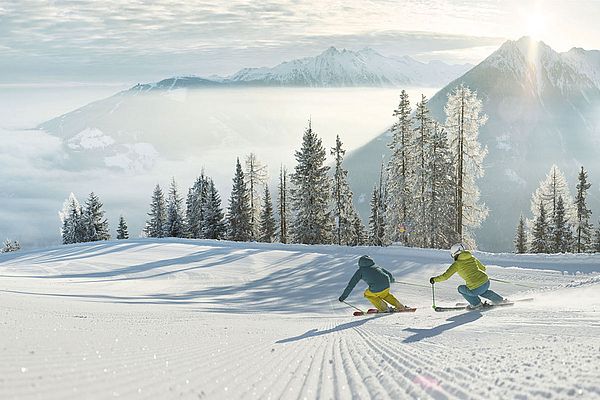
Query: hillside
x=203 y=319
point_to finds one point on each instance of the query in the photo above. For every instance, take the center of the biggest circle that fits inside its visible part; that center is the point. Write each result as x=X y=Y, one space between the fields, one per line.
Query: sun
x=535 y=25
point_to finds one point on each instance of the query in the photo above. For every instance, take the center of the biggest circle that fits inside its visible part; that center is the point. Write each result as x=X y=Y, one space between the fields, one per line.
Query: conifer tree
x=360 y=234
x=399 y=170
x=239 y=212
x=310 y=192
x=562 y=236
x=343 y=210
x=95 y=225
x=583 y=228
x=596 y=247
x=541 y=241
x=440 y=191
x=463 y=119
x=175 y=226
x=122 y=230
x=72 y=224
x=267 y=223
x=195 y=202
x=255 y=177
x=521 y=237
x=419 y=149
x=156 y=225
x=550 y=189
x=284 y=209
x=214 y=224
x=10 y=246
x=377 y=218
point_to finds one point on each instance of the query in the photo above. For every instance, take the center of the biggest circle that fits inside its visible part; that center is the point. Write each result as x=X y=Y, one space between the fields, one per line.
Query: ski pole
x=433 y=296
x=409 y=284
x=353 y=307
x=513 y=283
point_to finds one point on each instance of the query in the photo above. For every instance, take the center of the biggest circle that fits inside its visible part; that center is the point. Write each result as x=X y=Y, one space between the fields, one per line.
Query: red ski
x=376 y=311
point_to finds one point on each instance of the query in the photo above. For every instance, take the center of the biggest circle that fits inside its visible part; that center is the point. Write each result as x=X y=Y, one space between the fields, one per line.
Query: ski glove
x=432 y=280
x=341 y=298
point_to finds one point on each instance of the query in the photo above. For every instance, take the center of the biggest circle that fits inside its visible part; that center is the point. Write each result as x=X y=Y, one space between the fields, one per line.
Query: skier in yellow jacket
x=473 y=272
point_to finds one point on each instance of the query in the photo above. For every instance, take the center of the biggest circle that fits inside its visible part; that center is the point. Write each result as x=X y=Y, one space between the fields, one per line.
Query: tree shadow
x=315 y=332
x=455 y=321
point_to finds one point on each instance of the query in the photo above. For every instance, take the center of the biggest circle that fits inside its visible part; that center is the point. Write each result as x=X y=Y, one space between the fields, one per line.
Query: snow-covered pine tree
x=419 y=156
x=583 y=228
x=377 y=217
x=344 y=212
x=550 y=189
x=360 y=233
x=440 y=191
x=95 y=225
x=122 y=230
x=398 y=171
x=156 y=225
x=239 y=212
x=256 y=178
x=214 y=223
x=266 y=222
x=463 y=119
x=283 y=205
x=284 y=209
x=541 y=240
x=176 y=225
x=10 y=246
x=195 y=202
x=72 y=224
x=310 y=192
x=521 y=237
x=561 y=234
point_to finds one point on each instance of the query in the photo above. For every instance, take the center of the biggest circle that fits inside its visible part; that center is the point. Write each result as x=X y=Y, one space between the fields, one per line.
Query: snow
x=212 y=320
x=90 y=138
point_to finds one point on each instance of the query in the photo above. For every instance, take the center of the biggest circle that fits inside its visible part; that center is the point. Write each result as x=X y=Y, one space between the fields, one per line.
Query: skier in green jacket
x=473 y=272
x=378 y=279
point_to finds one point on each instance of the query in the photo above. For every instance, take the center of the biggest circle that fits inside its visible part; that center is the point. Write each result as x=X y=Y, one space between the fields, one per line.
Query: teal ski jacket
x=376 y=277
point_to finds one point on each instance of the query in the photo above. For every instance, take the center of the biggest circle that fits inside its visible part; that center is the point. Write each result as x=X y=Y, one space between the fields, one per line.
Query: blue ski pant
x=472 y=295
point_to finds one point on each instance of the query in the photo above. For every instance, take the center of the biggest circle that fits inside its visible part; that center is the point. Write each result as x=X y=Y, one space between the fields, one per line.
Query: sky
x=136 y=40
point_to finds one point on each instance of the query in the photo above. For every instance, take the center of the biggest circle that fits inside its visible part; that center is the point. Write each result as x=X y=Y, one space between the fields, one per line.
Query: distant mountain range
x=332 y=68
x=543 y=108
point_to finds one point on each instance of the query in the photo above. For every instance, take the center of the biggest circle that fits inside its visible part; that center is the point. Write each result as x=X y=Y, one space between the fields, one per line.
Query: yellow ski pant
x=380 y=298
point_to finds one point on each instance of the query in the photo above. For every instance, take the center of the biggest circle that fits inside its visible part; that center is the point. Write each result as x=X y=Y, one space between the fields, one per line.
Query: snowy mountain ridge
x=331 y=68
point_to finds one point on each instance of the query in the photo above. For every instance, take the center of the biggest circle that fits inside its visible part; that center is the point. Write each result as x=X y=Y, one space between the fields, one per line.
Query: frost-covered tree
x=561 y=234
x=310 y=192
x=439 y=193
x=256 y=179
x=541 y=240
x=156 y=226
x=596 y=246
x=283 y=205
x=419 y=157
x=239 y=212
x=175 y=217
x=398 y=171
x=360 y=233
x=72 y=225
x=521 y=237
x=195 y=204
x=463 y=119
x=344 y=213
x=266 y=222
x=583 y=228
x=214 y=224
x=122 y=230
x=377 y=220
x=95 y=225
x=550 y=189
x=10 y=246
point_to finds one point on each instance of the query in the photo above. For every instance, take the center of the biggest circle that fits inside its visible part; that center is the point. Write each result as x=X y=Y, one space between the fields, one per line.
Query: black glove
x=432 y=280
x=341 y=299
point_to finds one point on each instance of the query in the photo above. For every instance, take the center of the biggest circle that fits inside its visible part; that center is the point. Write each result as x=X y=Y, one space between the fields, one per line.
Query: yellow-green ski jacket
x=469 y=268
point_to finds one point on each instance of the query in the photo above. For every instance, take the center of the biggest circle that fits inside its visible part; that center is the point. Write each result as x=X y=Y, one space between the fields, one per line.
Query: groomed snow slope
x=193 y=319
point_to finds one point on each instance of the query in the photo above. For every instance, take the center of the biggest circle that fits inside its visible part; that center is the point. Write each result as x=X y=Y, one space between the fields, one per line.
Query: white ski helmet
x=456 y=249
